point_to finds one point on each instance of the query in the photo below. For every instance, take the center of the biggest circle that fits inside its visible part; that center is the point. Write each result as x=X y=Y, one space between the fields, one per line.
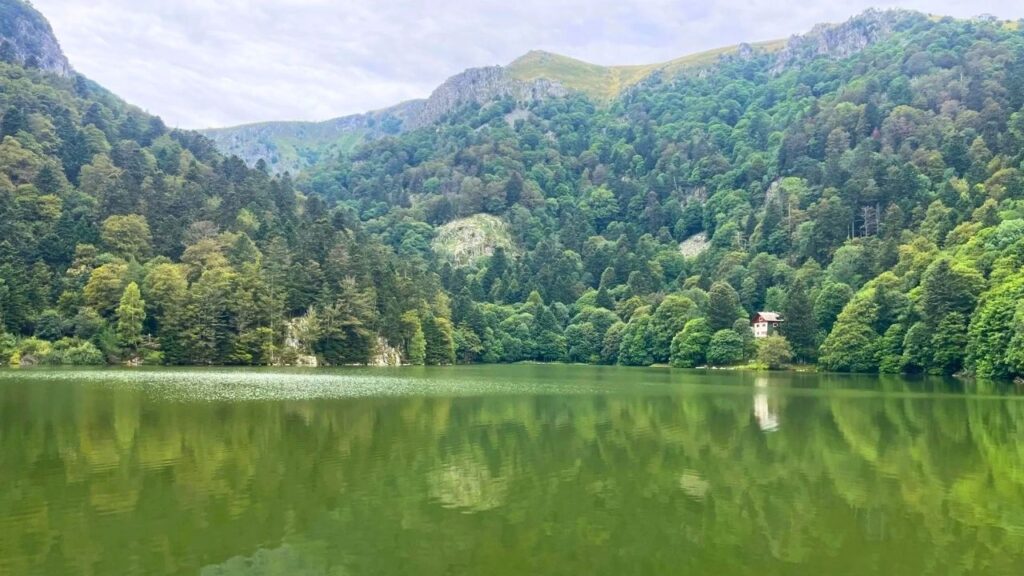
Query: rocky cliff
x=480 y=85
x=27 y=39
x=845 y=39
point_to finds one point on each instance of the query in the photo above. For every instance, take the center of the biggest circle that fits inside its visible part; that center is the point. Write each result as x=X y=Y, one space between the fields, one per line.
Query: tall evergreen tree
x=723 y=306
x=799 y=326
x=131 y=313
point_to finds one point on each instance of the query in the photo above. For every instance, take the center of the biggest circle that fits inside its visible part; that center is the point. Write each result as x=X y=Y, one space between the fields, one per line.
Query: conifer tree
x=799 y=326
x=130 y=315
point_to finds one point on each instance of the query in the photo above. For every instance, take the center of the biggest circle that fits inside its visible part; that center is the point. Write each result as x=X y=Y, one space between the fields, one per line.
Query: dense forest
x=875 y=200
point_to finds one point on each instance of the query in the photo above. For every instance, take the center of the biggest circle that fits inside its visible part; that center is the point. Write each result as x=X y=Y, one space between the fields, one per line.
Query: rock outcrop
x=26 y=39
x=385 y=354
x=846 y=39
x=478 y=86
x=466 y=241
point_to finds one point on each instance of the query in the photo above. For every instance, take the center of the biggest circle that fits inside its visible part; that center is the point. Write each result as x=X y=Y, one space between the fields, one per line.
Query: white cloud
x=200 y=63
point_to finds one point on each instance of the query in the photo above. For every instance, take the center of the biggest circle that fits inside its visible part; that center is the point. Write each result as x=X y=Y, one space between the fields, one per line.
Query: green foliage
x=131 y=312
x=106 y=286
x=31 y=351
x=127 y=236
x=669 y=319
x=851 y=345
x=637 y=345
x=612 y=343
x=723 y=306
x=440 y=340
x=8 y=345
x=774 y=352
x=689 y=346
x=585 y=334
x=872 y=204
x=995 y=335
x=415 y=341
x=726 y=348
x=72 y=352
x=949 y=344
x=800 y=327
x=829 y=303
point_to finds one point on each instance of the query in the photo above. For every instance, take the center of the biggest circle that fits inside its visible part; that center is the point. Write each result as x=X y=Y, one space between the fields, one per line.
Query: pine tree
x=130 y=314
x=415 y=341
x=439 y=336
x=723 y=306
x=799 y=326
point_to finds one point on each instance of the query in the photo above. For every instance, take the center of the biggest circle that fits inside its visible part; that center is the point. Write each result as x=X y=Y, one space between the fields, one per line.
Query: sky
x=214 y=63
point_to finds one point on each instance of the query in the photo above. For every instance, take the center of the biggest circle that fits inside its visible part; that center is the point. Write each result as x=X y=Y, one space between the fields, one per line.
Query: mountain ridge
x=536 y=75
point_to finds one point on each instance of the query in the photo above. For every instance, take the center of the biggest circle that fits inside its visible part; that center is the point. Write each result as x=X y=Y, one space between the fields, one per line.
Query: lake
x=496 y=470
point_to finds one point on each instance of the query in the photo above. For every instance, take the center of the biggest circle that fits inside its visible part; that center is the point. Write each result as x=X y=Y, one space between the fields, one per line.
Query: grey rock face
x=841 y=40
x=27 y=39
x=480 y=85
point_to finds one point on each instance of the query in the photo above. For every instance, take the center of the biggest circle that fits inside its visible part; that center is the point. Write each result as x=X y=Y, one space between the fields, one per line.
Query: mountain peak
x=543 y=56
x=26 y=39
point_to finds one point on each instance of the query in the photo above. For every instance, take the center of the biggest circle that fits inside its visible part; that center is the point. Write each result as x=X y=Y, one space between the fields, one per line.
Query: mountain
x=124 y=241
x=27 y=39
x=865 y=181
x=295 y=146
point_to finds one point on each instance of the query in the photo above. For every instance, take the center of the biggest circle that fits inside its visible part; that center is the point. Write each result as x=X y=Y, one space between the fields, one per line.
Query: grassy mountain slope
x=605 y=83
x=295 y=146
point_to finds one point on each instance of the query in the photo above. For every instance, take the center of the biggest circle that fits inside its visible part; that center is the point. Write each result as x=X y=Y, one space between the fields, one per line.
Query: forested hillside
x=874 y=199
x=121 y=240
x=864 y=181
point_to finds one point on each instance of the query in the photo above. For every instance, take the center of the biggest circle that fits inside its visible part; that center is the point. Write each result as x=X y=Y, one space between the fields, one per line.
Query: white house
x=765 y=324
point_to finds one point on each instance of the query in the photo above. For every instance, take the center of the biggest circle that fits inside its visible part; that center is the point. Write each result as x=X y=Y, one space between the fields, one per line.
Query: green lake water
x=532 y=470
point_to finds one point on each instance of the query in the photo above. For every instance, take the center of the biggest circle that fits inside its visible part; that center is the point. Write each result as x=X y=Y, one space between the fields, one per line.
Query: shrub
x=8 y=345
x=689 y=347
x=774 y=352
x=726 y=348
x=31 y=351
x=72 y=352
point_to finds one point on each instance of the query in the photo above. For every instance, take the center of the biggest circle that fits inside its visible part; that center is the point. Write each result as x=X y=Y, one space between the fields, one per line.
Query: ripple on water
x=248 y=385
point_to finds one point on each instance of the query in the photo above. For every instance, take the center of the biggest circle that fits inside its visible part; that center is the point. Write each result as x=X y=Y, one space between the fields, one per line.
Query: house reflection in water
x=767 y=417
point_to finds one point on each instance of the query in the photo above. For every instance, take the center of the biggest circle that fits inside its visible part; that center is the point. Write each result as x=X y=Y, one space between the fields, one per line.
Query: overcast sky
x=208 y=63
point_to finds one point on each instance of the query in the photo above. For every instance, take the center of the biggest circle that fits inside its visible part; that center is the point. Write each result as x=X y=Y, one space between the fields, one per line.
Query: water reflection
x=767 y=417
x=673 y=478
